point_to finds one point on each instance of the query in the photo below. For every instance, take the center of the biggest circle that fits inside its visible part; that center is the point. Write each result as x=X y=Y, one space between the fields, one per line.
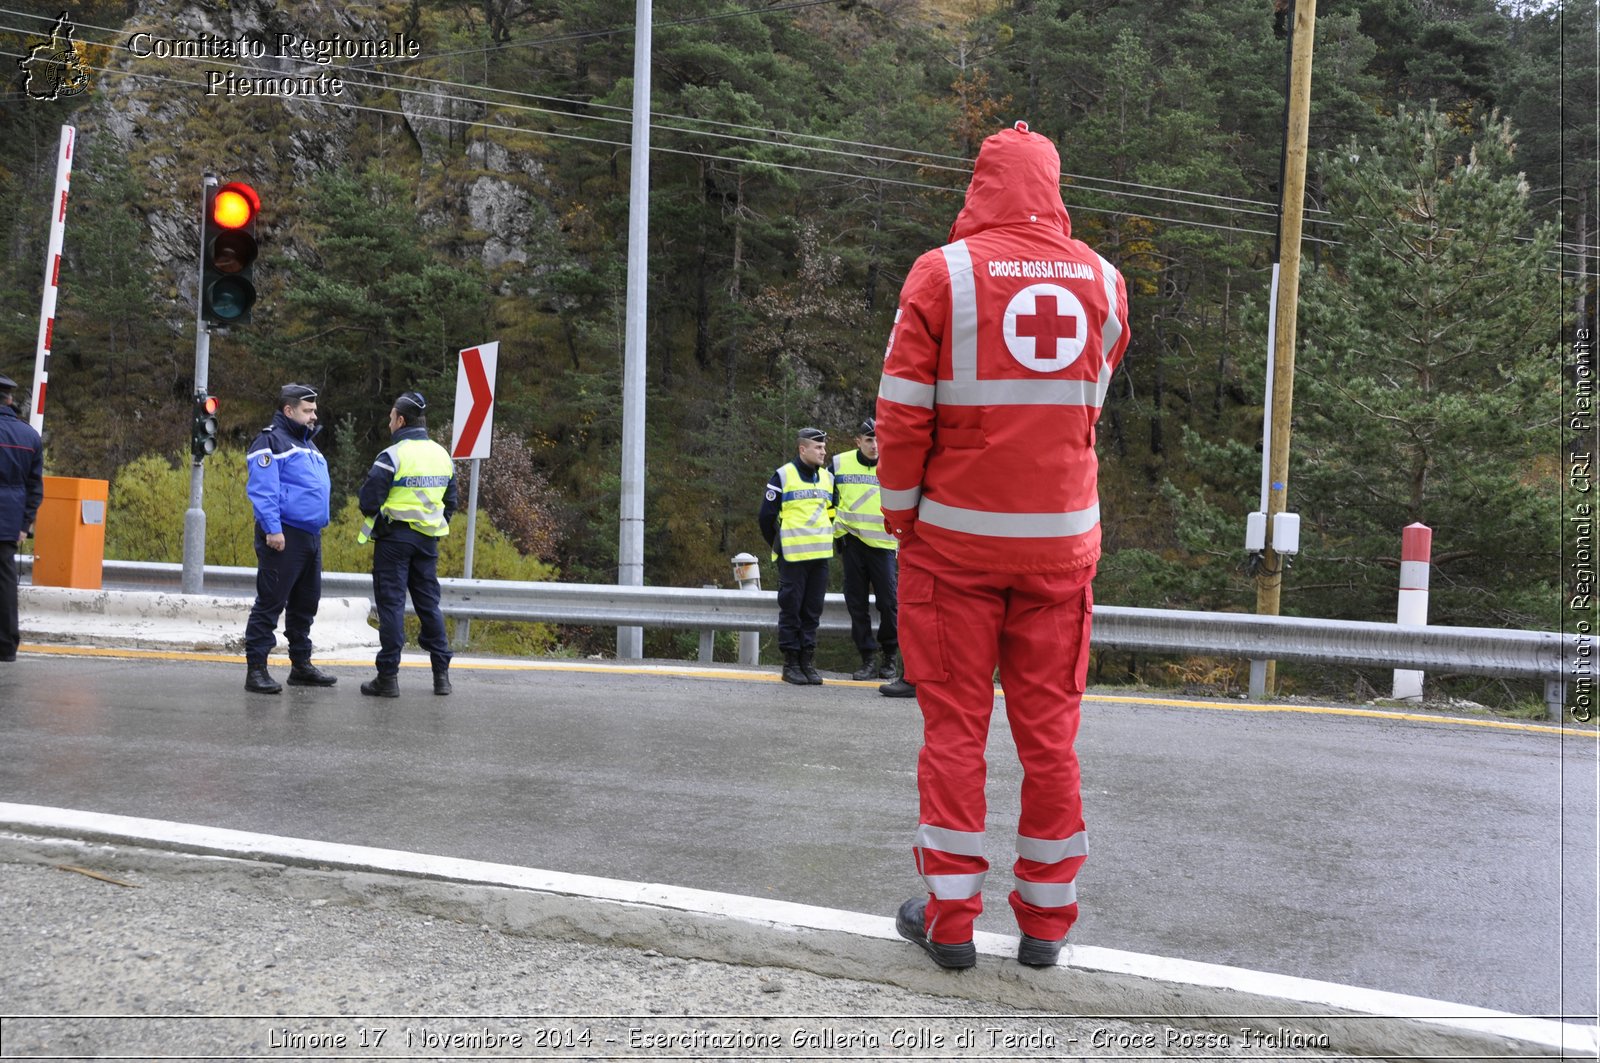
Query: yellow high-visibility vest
x=860 y=506
x=422 y=471
x=805 y=520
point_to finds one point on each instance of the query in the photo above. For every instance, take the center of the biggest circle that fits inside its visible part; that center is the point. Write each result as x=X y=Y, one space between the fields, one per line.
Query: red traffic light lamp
x=203 y=434
x=228 y=250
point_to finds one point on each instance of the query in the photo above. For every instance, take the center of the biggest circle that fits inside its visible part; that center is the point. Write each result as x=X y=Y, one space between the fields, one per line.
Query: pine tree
x=1425 y=384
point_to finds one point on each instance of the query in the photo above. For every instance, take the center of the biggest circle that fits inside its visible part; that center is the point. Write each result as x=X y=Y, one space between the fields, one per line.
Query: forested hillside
x=804 y=153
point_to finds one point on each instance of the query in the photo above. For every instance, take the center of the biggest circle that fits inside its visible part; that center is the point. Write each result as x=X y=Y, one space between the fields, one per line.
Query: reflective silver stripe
x=1052 y=850
x=955 y=887
x=811 y=492
x=278 y=457
x=1018 y=393
x=868 y=497
x=416 y=516
x=1105 y=383
x=905 y=392
x=906 y=499
x=805 y=531
x=871 y=535
x=1009 y=525
x=963 y=311
x=956 y=842
x=1112 y=328
x=1048 y=894
x=854 y=478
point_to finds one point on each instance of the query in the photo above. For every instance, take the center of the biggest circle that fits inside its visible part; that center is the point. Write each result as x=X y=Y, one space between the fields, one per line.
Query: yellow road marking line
x=695 y=672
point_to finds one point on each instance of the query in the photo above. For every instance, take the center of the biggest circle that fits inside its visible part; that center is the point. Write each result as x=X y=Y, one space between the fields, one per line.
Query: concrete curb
x=157 y=620
x=699 y=924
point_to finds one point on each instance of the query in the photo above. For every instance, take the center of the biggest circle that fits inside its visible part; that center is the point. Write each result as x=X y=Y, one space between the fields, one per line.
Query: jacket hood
x=1016 y=181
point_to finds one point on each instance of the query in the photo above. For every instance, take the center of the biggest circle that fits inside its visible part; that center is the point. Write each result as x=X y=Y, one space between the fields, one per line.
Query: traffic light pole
x=194 y=519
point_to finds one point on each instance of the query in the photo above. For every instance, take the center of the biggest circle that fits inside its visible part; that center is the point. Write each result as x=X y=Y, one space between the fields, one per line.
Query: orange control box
x=69 y=535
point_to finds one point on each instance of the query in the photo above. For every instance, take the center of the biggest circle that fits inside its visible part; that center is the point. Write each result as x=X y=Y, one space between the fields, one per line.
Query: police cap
x=815 y=435
x=411 y=403
x=869 y=428
x=294 y=394
x=7 y=384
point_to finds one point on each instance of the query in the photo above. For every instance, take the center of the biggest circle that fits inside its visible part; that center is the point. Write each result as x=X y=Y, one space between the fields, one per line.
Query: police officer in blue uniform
x=408 y=498
x=21 y=492
x=289 y=490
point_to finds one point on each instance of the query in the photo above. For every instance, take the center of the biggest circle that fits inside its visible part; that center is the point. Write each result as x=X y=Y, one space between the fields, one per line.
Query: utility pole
x=1269 y=579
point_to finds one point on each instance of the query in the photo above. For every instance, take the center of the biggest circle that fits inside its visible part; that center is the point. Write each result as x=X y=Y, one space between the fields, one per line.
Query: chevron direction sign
x=474 y=420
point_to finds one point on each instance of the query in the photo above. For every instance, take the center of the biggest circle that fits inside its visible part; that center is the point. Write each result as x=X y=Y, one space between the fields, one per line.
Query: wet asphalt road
x=1430 y=858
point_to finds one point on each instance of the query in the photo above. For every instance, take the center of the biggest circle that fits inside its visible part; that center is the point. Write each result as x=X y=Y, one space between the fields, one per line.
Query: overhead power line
x=916 y=157
x=361 y=77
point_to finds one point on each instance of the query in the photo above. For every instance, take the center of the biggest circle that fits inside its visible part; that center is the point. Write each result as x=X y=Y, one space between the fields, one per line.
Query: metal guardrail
x=1542 y=655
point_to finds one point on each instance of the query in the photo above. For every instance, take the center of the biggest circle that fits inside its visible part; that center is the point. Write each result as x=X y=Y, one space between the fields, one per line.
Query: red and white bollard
x=1416 y=552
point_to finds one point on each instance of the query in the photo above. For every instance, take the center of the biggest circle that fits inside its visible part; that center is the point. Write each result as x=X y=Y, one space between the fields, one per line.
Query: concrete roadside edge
x=704 y=925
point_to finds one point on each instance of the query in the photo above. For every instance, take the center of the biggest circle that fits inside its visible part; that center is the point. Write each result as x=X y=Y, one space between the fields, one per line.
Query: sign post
x=470 y=436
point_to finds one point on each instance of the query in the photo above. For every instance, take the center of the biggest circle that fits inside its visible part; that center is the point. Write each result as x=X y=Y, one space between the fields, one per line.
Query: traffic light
x=228 y=250
x=203 y=436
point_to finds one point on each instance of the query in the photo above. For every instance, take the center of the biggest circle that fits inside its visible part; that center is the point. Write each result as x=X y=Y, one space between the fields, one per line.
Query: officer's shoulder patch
x=264 y=460
x=772 y=494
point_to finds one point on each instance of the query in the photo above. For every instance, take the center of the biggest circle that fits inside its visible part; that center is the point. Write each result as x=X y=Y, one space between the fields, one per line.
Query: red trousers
x=956 y=626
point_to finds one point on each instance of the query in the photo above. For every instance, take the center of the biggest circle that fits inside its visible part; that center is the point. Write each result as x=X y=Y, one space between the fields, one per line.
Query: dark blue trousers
x=400 y=564
x=869 y=567
x=9 y=631
x=802 y=588
x=288 y=579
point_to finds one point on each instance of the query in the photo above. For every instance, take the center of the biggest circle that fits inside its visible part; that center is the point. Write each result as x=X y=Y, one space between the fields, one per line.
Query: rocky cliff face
x=165 y=122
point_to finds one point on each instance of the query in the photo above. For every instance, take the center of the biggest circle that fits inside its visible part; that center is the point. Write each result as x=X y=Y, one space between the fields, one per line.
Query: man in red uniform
x=1002 y=350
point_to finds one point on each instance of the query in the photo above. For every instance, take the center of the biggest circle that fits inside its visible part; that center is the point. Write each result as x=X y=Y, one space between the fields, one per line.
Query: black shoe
x=898 y=689
x=886 y=667
x=7 y=658
x=257 y=681
x=868 y=669
x=908 y=921
x=1037 y=952
x=813 y=676
x=791 y=670
x=441 y=682
x=306 y=674
x=383 y=686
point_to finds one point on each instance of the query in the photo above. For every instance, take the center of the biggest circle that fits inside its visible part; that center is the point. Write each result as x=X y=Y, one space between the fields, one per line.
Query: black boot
x=813 y=676
x=441 y=682
x=306 y=674
x=383 y=686
x=886 y=666
x=257 y=681
x=791 y=669
x=898 y=687
x=1037 y=952
x=909 y=922
x=868 y=669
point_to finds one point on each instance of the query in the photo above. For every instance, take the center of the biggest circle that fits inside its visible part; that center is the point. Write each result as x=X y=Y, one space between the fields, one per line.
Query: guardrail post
x=708 y=637
x=747 y=574
x=1416 y=550
x=1555 y=698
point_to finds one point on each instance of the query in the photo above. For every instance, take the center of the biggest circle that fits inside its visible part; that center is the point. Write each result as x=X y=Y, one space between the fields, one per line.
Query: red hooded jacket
x=1001 y=353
